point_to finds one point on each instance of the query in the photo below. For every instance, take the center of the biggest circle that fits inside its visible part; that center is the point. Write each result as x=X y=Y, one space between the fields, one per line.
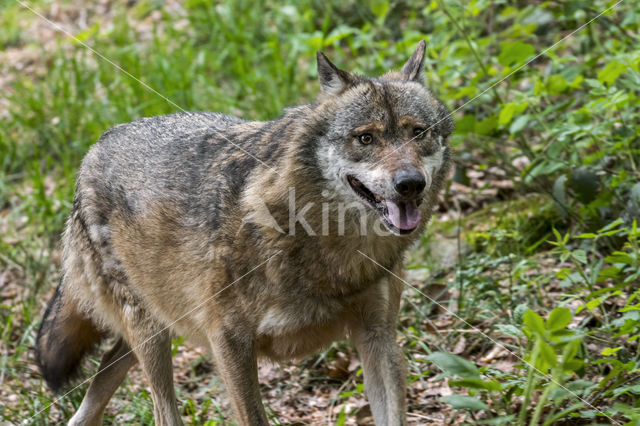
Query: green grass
x=562 y=132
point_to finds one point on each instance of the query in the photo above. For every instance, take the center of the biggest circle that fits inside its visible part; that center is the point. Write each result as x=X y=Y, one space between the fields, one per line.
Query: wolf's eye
x=419 y=133
x=365 y=138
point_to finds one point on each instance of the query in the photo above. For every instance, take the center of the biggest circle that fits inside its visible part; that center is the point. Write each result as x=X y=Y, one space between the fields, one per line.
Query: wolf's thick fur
x=171 y=212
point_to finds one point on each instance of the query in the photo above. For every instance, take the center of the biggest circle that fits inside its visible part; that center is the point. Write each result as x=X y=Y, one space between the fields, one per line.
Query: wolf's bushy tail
x=64 y=337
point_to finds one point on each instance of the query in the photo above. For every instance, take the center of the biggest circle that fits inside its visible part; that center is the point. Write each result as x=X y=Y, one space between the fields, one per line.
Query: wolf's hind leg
x=153 y=350
x=113 y=369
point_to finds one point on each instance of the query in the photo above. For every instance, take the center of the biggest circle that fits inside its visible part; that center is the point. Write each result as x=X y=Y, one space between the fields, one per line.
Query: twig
x=605 y=390
x=471 y=47
x=422 y=416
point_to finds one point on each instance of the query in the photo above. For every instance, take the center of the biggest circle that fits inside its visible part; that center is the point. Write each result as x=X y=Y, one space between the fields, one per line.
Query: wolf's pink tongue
x=403 y=215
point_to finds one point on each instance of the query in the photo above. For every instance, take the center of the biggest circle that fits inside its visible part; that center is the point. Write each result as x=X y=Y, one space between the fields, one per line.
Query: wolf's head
x=385 y=144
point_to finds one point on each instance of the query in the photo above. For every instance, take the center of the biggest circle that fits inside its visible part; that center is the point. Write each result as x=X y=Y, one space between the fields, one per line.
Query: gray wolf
x=165 y=216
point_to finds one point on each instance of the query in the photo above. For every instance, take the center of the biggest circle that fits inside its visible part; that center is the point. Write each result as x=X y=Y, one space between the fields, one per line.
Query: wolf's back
x=163 y=159
x=192 y=162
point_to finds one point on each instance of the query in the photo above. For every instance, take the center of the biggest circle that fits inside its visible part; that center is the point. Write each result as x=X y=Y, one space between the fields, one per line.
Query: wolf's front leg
x=236 y=361
x=372 y=331
x=384 y=376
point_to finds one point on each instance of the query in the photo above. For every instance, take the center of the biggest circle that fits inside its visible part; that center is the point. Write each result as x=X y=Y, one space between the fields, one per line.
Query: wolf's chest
x=291 y=317
x=294 y=331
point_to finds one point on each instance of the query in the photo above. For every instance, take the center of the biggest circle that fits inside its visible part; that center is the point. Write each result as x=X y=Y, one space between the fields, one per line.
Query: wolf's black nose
x=409 y=183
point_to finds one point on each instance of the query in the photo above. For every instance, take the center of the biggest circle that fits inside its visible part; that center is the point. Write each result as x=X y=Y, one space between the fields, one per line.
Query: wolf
x=172 y=233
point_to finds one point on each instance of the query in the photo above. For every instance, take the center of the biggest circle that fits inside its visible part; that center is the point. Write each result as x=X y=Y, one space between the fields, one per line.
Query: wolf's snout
x=409 y=183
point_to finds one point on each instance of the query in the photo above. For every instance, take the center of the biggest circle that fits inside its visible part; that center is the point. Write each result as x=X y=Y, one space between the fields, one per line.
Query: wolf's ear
x=332 y=79
x=412 y=70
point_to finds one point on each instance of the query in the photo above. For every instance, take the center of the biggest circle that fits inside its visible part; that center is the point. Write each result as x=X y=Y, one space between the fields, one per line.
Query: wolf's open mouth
x=399 y=216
